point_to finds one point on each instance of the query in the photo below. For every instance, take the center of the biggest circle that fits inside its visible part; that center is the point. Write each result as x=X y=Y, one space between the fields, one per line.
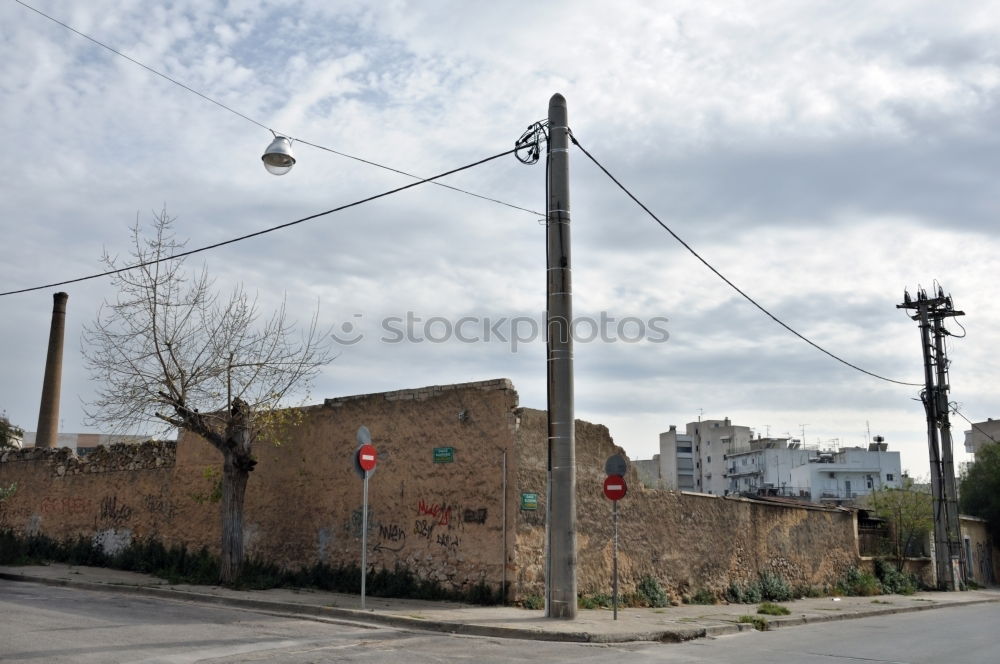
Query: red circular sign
x=615 y=487
x=367 y=457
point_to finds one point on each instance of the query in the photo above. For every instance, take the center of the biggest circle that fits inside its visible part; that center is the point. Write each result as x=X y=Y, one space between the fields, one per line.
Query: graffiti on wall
x=65 y=506
x=112 y=512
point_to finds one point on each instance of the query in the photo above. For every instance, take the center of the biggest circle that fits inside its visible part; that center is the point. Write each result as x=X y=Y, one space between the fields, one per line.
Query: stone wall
x=114 y=494
x=449 y=516
x=686 y=541
x=441 y=519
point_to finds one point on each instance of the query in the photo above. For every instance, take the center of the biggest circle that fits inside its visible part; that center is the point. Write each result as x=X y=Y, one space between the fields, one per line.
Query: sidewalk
x=670 y=624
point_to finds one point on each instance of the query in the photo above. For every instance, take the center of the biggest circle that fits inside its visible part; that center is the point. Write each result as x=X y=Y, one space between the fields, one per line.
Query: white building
x=980 y=435
x=720 y=458
x=766 y=466
x=694 y=460
x=848 y=474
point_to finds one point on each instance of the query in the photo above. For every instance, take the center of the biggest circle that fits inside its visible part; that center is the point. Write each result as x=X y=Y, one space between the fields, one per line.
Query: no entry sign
x=615 y=487
x=367 y=458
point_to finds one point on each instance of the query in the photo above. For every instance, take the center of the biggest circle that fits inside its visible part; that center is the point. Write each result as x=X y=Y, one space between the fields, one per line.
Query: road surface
x=54 y=624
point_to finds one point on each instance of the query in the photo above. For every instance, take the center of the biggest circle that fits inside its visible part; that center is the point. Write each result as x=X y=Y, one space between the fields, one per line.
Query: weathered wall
x=981 y=567
x=687 y=541
x=114 y=494
x=303 y=503
x=442 y=520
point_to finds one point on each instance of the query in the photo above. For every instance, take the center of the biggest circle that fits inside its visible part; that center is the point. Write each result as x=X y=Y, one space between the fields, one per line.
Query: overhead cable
x=263 y=126
x=726 y=280
x=264 y=231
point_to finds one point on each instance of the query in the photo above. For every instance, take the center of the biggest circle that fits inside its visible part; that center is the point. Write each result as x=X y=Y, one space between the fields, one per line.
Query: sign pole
x=615 y=489
x=365 y=460
x=364 y=539
x=614 y=563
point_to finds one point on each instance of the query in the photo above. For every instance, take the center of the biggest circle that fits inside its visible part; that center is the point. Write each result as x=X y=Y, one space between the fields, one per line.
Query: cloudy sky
x=824 y=156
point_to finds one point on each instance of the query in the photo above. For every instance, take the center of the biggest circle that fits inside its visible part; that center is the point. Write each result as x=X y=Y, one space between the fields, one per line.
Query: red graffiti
x=440 y=513
x=65 y=505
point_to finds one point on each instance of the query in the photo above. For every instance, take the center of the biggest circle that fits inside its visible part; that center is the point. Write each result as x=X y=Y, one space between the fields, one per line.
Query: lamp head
x=278 y=158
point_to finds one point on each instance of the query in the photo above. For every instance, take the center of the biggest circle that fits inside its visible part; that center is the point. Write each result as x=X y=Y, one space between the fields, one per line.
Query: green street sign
x=529 y=501
x=444 y=455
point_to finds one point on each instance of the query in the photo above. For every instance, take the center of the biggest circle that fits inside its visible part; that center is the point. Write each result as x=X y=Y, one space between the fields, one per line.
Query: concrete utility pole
x=930 y=313
x=956 y=554
x=560 y=581
x=48 y=411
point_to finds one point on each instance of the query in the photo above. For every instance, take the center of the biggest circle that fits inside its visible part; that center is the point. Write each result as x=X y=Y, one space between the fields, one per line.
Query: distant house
x=980 y=434
x=838 y=477
x=720 y=458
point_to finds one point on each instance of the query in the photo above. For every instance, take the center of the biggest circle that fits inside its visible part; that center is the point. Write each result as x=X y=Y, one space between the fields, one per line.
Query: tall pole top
x=557 y=109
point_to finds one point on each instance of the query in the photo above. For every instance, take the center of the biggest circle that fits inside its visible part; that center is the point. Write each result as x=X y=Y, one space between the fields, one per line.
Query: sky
x=823 y=156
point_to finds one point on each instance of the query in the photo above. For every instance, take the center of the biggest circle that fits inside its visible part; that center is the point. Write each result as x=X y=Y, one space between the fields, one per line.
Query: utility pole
x=930 y=314
x=560 y=581
x=955 y=552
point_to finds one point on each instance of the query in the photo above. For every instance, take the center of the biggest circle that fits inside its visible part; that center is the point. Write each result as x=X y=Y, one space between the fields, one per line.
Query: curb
x=796 y=621
x=673 y=635
x=358 y=616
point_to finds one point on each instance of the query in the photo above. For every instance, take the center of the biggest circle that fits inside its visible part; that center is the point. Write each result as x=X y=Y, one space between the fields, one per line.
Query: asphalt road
x=53 y=624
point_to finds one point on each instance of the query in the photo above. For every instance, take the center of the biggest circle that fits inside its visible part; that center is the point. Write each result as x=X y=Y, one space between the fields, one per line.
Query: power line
x=263 y=126
x=728 y=282
x=264 y=231
x=954 y=409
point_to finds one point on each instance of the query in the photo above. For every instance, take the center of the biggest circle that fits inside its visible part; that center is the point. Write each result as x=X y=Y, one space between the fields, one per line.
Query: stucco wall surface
x=686 y=541
x=441 y=515
x=441 y=519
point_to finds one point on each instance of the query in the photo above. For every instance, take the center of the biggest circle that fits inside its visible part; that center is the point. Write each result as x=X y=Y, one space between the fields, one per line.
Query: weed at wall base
x=178 y=565
x=759 y=623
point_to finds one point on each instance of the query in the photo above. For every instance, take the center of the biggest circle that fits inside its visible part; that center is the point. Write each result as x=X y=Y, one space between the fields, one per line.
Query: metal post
x=48 y=412
x=503 y=521
x=364 y=540
x=614 y=561
x=561 y=508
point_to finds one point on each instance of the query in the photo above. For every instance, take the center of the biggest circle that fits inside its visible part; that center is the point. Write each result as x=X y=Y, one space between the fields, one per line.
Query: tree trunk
x=234 y=486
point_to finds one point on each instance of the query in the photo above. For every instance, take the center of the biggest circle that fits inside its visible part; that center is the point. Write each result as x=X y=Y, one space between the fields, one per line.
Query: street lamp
x=278 y=158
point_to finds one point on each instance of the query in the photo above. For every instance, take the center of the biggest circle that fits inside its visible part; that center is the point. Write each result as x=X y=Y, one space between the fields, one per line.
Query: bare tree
x=169 y=350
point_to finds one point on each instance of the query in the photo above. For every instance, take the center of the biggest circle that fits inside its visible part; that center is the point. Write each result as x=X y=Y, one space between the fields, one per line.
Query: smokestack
x=48 y=412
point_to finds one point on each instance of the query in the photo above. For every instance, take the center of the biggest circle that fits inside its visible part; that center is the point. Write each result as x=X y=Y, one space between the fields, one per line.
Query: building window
x=709 y=459
x=888 y=477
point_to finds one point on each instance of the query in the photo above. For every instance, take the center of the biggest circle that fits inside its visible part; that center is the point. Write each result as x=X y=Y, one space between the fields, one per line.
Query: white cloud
x=823 y=156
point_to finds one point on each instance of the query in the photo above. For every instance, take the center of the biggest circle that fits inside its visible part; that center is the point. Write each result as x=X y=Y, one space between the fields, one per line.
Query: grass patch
x=894 y=581
x=880 y=601
x=859 y=583
x=771 y=609
x=652 y=593
x=534 y=602
x=702 y=596
x=595 y=601
x=759 y=623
